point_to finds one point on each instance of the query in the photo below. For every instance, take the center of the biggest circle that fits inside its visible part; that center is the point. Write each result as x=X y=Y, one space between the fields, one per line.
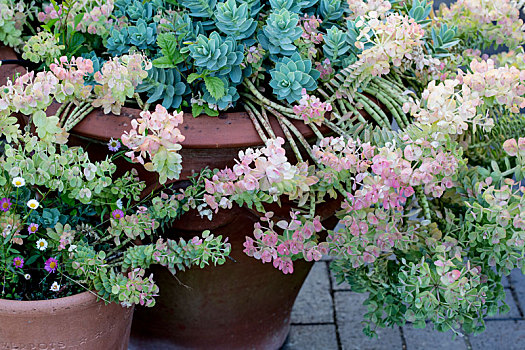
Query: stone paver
x=314 y=302
x=328 y=316
x=335 y=286
x=321 y=337
x=500 y=335
x=427 y=338
x=349 y=312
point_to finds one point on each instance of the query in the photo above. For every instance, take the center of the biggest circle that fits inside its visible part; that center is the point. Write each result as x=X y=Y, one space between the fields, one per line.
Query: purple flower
x=32 y=228
x=18 y=262
x=5 y=204
x=113 y=145
x=51 y=265
x=117 y=214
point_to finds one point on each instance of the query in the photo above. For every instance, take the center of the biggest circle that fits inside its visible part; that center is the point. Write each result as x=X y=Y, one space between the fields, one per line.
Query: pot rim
x=83 y=298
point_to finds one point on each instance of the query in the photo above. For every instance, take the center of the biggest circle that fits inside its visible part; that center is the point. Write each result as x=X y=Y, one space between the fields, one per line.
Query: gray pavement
x=327 y=316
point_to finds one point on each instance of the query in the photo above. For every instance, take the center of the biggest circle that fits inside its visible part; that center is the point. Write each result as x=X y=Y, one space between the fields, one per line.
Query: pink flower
x=18 y=262
x=511 y=147
x=5 y=204
x=51 y=265
x=32 y=228
x=117 y=214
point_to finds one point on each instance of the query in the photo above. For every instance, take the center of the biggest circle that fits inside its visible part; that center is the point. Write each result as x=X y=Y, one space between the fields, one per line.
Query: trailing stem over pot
x=432 y=211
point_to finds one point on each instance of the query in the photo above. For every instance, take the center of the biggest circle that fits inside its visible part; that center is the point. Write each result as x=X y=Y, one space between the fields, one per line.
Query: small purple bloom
x=51 y=265
x=5 y=204
x=18 y=262
x=117 y=214
x=113 y=145
x=32 y=228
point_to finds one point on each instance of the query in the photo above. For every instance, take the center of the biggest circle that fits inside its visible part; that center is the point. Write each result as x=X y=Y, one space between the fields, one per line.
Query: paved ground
x=327 y=316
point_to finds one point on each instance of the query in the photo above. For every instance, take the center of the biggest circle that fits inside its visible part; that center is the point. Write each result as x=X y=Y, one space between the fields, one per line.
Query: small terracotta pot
x=75 y=322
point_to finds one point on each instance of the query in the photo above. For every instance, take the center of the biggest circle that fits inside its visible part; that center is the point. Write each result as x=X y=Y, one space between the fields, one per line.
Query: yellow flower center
x=5 y=205
x=52 y=264
x=18 y=183
x=41 y=244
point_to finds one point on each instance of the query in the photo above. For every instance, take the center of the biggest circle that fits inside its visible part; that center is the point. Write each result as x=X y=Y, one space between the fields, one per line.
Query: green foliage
x=142 y=35
x=171 y=55
x=291 y=76
x=200 y=8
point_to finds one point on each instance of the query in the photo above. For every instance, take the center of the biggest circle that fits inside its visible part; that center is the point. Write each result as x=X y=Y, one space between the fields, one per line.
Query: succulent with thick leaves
x=443 y=40
x=280 y=32
x=136 y=9
x=291 y=75
x=253 y=5
x=142 y=35
x=234 y=21
x=185 y=28
x=165 y=85
x=219 y=55
x=335 y=44
x=420 y=11
x=353 y=34
x=292 y=5
x=200 y=8
x=119 y=42
x=227 y=100
x=331 y=10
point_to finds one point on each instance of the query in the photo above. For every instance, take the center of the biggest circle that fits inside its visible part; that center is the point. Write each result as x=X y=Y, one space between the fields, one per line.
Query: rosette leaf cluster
x=280 y=32
x=219 y=55
x=291 y=75
x=336 y=45
x=234 y=21
x=164 y=85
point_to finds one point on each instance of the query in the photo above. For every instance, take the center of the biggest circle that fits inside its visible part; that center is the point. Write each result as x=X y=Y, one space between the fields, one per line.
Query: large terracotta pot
x=76 y=322
x=243 y=304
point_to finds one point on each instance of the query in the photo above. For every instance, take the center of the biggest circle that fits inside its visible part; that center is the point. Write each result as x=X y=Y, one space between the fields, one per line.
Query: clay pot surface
x=76 y=322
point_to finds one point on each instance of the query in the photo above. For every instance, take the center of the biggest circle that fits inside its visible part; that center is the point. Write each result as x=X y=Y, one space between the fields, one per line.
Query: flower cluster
x=393 y=39
x=156 y=134
x=265 y=170
x=451 y=111
x=311 y=109
x=117 y=81
x=43 y=47
x=98 y=19
x=13 y=16
x=297 y=240
x=71 y=74
x=360 y=8
x=489 y=21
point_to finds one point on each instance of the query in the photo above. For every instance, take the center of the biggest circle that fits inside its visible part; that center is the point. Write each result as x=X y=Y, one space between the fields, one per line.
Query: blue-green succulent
x=234 y=21
x=200 y=8
x=118 y=43
x=228 y=100
x=164 y=85
x=280 y=32
x=135 y=10
x=218 y=55
x=335 y=44
x=292 y=5
x=291 y=75
x=331 y=10
x=142 y=35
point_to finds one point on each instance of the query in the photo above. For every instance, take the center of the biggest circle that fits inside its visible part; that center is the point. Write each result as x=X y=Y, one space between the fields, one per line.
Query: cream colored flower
x=19 y=181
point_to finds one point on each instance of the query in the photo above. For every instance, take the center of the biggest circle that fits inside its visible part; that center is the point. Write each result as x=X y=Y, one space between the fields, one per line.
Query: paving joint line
x=403 y=340
x=337 y=336
x=312 y=324
x=515 y=296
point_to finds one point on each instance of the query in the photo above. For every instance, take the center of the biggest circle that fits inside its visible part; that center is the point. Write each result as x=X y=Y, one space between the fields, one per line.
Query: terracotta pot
x=243 y=304
x=75 y=322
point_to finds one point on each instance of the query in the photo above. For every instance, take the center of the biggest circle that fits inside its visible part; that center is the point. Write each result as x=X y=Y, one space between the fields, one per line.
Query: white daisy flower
x=119 y=203
x=33 y=204
x=72 y=248
x=19 y=181
x=27 y=276
x=41 y=244
x=55 y=287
